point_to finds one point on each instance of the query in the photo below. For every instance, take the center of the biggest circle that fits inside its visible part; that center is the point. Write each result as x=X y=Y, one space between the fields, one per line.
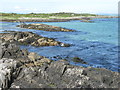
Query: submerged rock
x=29 y=38
x=88 y=21
x=45 y=27
x=78 y=60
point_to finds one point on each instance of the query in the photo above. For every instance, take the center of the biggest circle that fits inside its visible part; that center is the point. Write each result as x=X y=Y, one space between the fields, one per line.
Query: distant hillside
x=43 y=15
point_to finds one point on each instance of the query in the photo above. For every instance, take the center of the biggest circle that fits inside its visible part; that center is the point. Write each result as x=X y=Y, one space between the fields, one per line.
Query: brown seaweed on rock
x=29 y=38
x=45 y=27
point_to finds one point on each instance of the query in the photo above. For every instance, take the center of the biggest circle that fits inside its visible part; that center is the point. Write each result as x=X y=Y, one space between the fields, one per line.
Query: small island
x=45 y=27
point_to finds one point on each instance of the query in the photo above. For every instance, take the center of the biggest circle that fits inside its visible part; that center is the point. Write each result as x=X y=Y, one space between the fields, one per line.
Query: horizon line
x=55 y=12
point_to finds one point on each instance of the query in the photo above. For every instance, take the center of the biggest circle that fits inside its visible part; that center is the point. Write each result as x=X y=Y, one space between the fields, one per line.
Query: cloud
x=17 y=7
x=46 y=6
x=23 y=9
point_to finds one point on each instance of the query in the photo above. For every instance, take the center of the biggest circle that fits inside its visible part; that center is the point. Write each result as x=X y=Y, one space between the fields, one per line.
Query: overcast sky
x=51 y=6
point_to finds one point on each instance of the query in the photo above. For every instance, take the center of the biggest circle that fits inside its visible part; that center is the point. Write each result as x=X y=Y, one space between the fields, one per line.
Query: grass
x=42 y=15
x=52 y=85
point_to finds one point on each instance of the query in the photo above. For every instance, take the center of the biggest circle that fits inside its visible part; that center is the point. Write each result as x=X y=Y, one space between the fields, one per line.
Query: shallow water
x=96 y=43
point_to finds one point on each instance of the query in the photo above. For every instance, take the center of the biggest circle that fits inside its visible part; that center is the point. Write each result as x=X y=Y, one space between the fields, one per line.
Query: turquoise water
x=102 y=30
x=95 y=43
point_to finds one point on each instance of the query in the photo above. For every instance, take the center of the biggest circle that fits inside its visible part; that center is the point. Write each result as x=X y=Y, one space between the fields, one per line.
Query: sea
x=96 y=43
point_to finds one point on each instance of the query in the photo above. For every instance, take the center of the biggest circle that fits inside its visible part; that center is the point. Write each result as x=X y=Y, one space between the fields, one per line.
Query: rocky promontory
x=35 y=20
x=29 y=38
x=23 y=69
x=45 y=27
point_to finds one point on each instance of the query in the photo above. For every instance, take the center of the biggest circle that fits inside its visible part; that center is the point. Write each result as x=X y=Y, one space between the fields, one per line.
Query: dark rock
x=57 y=57
x=10 y=50
x=78 y=60
x=88 y=21
x=36 y=20
x=13 y=51
x=85 y=18
x=64 y=45
x=59 y=74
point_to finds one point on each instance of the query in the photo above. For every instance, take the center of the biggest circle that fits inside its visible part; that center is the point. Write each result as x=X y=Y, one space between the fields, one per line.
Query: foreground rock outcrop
x=29 y=70
x=9 y=69
x=13 y=59
x=44 y=27
x=29 y=38
x=59 y=74
x=11 y=51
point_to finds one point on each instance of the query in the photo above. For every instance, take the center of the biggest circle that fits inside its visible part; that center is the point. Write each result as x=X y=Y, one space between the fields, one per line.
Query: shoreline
x=23 y=69
x=29 y=38
x=27 y=19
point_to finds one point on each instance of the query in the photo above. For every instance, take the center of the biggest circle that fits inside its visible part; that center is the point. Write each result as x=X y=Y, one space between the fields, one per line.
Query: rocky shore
x=23 y=69
x=35 y=20
x=45 y=27
x=29 y=38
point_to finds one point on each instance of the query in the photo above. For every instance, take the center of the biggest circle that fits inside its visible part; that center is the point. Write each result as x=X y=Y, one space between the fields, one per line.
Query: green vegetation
x=52 y=85
x=42 y=15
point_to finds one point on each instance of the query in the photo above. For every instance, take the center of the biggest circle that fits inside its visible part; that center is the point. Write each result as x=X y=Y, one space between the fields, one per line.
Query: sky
x=54 y=6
